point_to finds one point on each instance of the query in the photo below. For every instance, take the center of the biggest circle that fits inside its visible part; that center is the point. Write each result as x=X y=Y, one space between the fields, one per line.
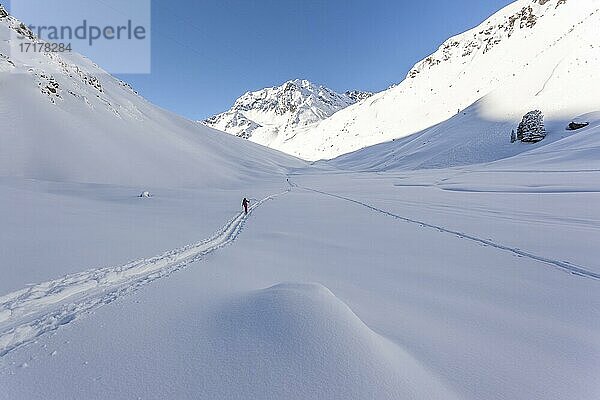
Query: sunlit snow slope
x=533 y=54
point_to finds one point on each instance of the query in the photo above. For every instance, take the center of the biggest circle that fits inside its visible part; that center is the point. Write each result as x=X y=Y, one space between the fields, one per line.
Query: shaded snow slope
x=579 y=151
x=532 y=54
x=65 y=119
x=274 y=115
x=470 y=138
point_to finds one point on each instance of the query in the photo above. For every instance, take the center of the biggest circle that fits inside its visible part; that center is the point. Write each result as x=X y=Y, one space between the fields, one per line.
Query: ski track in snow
x=566 y=266
x=31 y=312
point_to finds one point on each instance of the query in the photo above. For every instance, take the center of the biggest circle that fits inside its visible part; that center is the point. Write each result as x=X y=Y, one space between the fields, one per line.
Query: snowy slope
x=532 y=54
x=274 y=115
x=474 y=282
x=65 y=119
x=468 y=139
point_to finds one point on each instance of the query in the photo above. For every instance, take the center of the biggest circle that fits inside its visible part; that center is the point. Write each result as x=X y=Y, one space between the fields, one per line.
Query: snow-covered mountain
x=492 y=293
x=65 y=119
x=533 y=54
x=274 y=115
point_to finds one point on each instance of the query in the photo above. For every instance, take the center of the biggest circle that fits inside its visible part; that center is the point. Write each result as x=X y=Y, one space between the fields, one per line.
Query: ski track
x=566 y=266
x=31 y=312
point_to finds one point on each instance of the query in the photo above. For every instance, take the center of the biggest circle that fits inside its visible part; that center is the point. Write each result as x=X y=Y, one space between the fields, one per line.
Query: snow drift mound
x=301 y=341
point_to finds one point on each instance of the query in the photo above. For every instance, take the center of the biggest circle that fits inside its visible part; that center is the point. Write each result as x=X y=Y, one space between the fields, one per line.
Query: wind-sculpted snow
x=321 y=339
x=33 y=311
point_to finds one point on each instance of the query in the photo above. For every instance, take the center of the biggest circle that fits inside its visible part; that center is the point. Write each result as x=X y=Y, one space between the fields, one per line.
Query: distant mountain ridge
x=273 y=115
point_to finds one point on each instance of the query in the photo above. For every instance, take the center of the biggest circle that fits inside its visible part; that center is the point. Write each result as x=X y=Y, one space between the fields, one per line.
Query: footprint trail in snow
x=28 y=313
x=563 y=265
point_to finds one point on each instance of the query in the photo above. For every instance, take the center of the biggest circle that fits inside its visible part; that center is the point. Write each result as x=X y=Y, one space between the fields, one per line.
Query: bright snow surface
x=466 y=283
x=532 y=54
x=470 y=281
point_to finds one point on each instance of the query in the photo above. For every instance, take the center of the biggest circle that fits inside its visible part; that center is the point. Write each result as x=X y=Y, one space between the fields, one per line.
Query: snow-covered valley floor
x=469 y=283
x=368 y=276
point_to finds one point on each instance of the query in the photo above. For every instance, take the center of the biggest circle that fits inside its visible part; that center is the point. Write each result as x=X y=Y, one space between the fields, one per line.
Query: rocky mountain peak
x=274 y=113
x=521 y=16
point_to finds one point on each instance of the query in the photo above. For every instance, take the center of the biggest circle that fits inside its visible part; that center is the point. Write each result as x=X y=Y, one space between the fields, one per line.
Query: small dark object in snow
x=145 y=194
x=573 y=126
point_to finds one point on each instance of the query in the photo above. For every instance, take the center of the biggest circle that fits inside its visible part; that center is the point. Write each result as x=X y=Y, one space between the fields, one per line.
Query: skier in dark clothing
x=245 y=203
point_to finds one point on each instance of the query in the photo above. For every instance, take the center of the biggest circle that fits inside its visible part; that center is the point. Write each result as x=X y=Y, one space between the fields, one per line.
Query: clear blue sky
x=207 y=53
